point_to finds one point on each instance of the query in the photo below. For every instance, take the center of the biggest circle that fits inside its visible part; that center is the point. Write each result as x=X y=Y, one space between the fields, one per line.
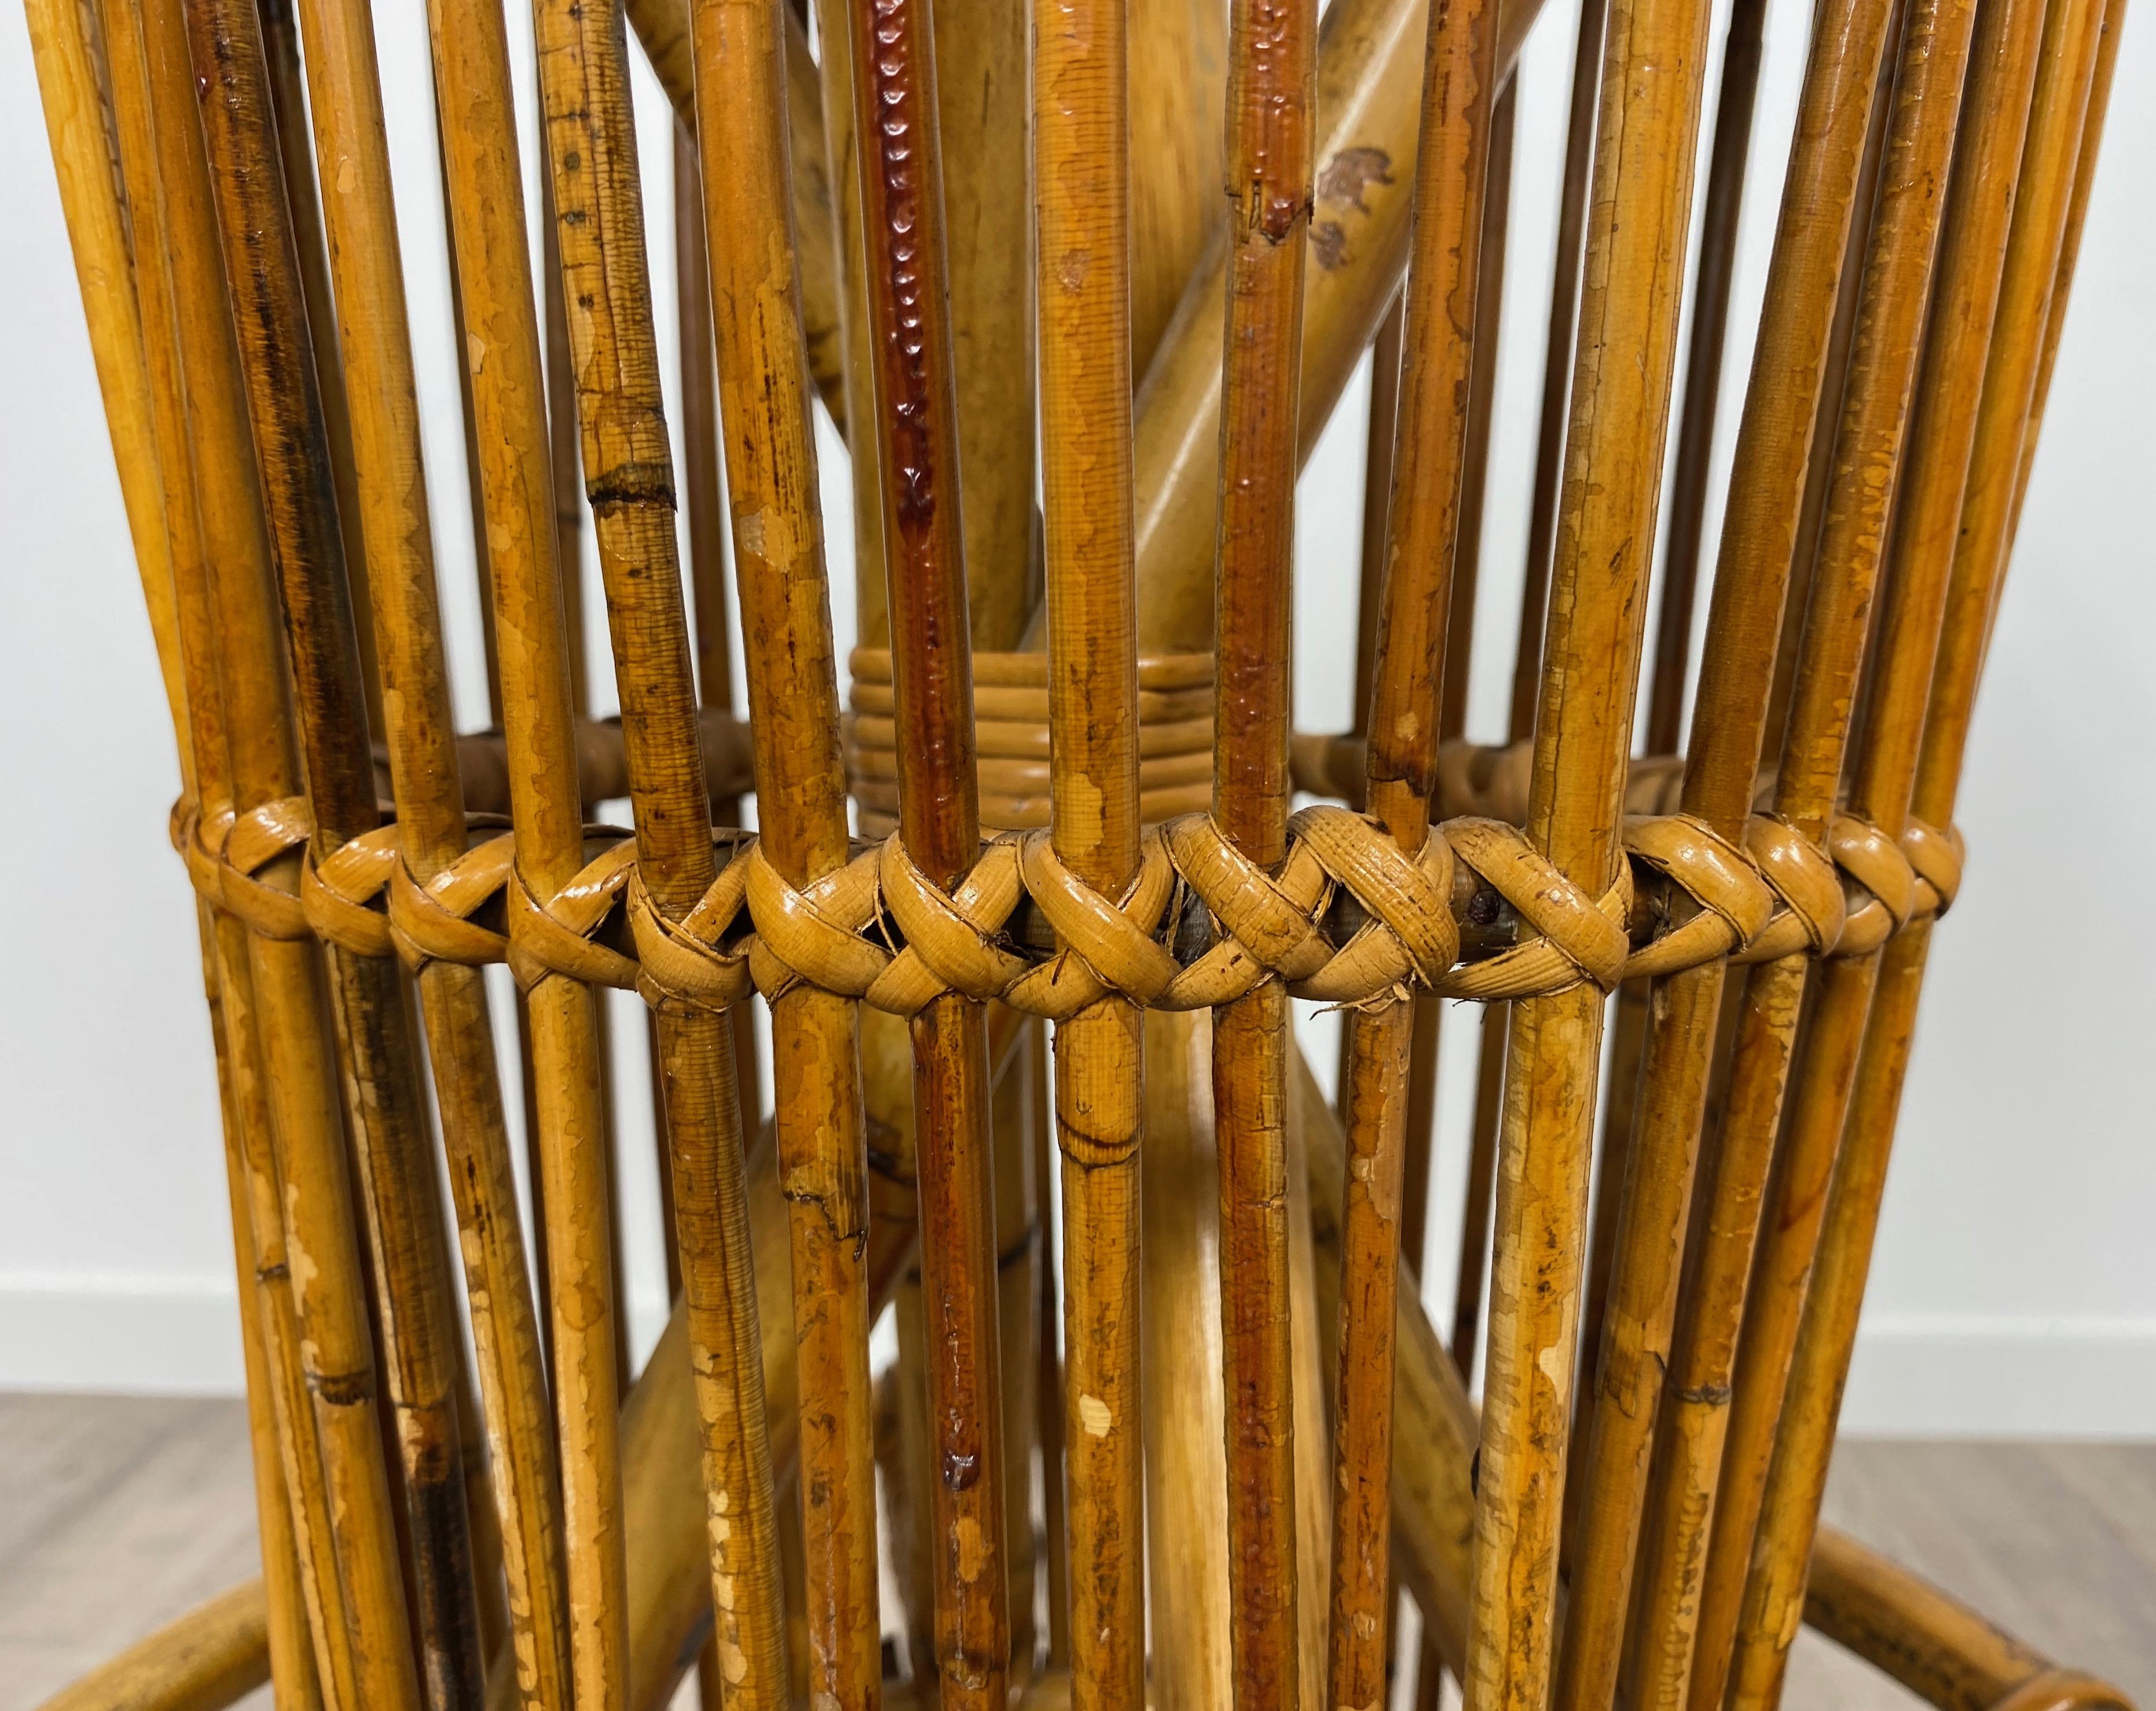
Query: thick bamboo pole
x=1744 y=624
x=1367 y=109
x=915 y=432
x=1444 y=279
x=1932 y=55
x=1927 y=510
x=629 y=478
x=1634 y=279
x=793 y=700
x=1796 y=1483
x=1271 y=90
x=1083 y=238
x=1177 y=73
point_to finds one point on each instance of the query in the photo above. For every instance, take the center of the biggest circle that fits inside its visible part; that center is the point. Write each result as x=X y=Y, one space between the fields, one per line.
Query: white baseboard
x=143 y=1335
x=2004 y=1376
x=1915 y=1376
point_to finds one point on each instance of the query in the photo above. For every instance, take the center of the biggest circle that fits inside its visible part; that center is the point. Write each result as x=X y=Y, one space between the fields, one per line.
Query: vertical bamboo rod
x=373 y=336
x=1744 y=624
x=300 y=1075
x=1083 y=219
x=2041 y=202
x=1707 y=345
x=1927 y=510
x=1444 y=277
x=1633 y=281
x=1271 y=75
x=628 y=478
x=917 y=436
x=1933 y=55
x=1565 y=285
x=793 y=700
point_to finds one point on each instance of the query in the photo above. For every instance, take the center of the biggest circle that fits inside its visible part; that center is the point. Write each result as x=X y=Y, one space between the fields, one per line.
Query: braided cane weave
x=1026 y=915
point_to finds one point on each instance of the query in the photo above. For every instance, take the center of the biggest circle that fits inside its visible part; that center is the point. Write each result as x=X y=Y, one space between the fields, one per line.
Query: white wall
x=2012 y=1290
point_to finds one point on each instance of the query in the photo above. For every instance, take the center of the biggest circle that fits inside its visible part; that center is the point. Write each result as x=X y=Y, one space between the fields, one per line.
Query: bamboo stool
x=1028 y=916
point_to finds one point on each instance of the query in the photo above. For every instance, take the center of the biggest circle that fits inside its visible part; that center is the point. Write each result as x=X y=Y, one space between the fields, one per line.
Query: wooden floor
x=117 y=1514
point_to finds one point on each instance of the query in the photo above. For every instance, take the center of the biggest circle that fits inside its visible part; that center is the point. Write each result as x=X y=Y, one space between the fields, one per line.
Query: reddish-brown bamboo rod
x=1082 y=134
x=629 y=478
x=1366 y=110
x=1708 y=341
x=1744 y=624
x=1933 y=55
x=915 y=434
x=1927 y=513
x=308 y=1168
x=1630 y=301
x=1565 y=285
x=793 y=699
x=1048 y=1395
x=1443 y=276
x=1796 y=1483
x=1271 y=75
x=707 y=526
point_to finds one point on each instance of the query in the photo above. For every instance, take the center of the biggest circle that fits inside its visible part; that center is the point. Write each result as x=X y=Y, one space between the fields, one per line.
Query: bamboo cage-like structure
x=1027 y=898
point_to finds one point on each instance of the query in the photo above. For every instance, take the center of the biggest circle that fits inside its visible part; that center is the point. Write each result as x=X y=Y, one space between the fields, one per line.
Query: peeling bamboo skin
x=629 y=480
x=771 y=470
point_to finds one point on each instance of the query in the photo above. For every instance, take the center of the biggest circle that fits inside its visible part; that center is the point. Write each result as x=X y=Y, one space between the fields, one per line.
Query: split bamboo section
x=1160 y=1414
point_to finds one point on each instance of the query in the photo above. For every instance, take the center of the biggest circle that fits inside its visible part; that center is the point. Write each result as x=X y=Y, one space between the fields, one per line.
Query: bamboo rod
x=214 y=1655
x=1707 y=345
x=1444 y=279
x=629 y=477
x=1366 y=109
x=1081 y=126
x=2041 y=203
x=304 y=1166
x=793 y=699
x=1565 y=286
x=1634 y=276
x=917 y=436
x=1271 y=77
x=1686 y=1476
x=1927 y=509
x=1176 y=83
x=1743 y=629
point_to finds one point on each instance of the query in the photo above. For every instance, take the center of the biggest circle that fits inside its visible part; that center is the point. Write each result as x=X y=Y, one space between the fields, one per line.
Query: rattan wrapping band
x=877 y=930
